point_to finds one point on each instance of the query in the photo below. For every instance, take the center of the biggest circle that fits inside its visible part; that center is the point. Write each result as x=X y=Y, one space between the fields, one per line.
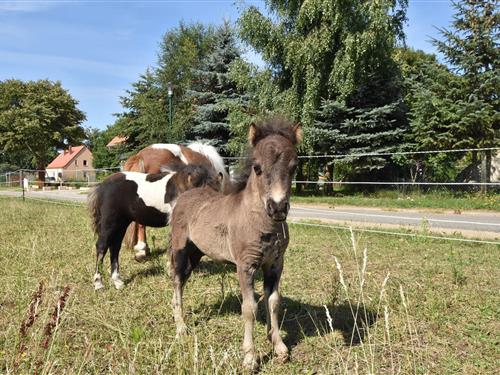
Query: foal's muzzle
x=277 y=211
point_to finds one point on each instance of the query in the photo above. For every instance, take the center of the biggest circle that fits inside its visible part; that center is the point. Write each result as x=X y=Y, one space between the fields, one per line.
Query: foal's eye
x=257 y=169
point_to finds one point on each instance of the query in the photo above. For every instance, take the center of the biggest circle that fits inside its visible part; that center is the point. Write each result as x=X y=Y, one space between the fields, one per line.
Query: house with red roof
x=73 y=163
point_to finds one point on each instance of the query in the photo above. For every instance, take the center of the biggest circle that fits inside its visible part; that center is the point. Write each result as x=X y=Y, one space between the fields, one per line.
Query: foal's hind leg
x=182 y=263
x=272 y=275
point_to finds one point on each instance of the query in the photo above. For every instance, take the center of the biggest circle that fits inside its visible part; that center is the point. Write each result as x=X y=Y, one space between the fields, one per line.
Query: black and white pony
x=144 y=198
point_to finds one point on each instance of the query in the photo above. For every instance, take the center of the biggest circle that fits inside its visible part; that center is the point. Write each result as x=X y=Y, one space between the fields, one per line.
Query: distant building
x=75 y=163
x=117 y=140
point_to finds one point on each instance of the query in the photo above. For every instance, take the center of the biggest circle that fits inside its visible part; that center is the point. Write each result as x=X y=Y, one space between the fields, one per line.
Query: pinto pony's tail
x=94 y=208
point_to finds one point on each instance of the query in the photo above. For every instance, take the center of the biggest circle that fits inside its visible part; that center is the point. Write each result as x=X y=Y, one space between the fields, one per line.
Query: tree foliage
x=471 y=48
x=333 y=64
x=213 y=92
x=38 y=117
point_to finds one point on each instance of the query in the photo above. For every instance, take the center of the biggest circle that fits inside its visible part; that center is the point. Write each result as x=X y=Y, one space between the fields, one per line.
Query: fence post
x=22 y=182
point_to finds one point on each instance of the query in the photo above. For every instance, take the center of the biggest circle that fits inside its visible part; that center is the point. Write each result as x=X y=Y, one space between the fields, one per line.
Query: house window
x=85 y=163
x=76 y=162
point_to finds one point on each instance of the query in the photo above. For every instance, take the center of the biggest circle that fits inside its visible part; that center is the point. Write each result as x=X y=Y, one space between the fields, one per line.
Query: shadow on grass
x=301 y=320
x=212 y=267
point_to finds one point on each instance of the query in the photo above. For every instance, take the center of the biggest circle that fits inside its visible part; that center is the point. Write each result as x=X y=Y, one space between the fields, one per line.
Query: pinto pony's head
x=193 y=176
x=274 y=160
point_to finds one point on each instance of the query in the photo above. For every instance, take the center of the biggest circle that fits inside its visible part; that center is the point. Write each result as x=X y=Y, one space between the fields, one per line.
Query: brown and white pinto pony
x=246 y=227
x=148 y=199
x=163 y=155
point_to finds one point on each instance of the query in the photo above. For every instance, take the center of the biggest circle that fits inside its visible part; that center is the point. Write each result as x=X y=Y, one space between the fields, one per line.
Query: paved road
x=478 y=222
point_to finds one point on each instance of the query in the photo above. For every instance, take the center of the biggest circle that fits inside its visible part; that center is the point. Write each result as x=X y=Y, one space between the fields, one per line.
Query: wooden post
x=22 y=182
x=485 y=170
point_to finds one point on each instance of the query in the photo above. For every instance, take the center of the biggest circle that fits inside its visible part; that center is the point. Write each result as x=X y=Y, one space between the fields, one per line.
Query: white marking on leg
x=152 y=193
x=115 y=276
x=174 y=149
x=279 y=346
x=180 y=325
x=140 y=246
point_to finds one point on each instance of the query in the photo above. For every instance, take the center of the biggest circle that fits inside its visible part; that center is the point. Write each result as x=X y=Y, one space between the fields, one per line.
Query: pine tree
x=214 y=93
x=472 y=49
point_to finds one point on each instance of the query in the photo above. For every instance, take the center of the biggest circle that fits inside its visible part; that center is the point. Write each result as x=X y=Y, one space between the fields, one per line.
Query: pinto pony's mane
x=257 y=132
x=212 y=155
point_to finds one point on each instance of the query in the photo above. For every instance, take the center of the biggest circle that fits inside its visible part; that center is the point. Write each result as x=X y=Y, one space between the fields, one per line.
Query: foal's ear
x=254 y=134
x=298 y=132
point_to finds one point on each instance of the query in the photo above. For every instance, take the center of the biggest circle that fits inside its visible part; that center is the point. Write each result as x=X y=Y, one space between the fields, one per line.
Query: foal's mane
x=262 y=129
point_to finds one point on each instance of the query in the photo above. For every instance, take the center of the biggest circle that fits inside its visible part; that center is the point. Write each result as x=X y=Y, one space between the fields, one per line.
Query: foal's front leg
x=248 y=310
x=272 y=275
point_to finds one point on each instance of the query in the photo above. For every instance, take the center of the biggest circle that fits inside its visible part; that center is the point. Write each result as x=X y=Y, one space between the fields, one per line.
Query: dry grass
x=404 y=305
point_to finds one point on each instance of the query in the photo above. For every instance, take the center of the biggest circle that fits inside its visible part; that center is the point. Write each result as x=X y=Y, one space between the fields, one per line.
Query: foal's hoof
x=282 y=354
x=181 y=330
x=250 y=363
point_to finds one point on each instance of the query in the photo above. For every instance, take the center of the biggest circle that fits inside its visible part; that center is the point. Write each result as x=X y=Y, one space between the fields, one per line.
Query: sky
x=97 y=48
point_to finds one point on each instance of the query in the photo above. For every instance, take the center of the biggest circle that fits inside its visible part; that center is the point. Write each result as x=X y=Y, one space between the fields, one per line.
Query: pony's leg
x=101 y=249
x=182 y=263
x=248 y=311
x=141 y=248
x=115 y=251
x=272 y=275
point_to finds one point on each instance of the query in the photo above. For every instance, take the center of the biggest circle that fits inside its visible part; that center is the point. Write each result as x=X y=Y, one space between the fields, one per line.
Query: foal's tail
x=94 y=208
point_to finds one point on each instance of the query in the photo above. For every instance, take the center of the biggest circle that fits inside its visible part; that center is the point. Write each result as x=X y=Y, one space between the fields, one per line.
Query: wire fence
x=336 y=227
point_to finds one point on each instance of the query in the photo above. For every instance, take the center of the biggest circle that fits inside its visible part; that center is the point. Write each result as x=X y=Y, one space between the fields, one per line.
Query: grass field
x=437 y=200
x=407 y=305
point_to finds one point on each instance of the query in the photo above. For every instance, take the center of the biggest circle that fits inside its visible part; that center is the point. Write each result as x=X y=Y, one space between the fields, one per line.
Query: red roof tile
x=65 y=157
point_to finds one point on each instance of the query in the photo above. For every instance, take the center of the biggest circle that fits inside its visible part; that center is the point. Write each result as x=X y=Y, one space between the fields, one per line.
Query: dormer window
x=85 y=163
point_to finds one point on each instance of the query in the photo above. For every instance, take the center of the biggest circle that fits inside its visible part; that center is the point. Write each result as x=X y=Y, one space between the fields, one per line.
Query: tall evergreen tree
x=146 y=112
x=472 y=49
x=213 y=92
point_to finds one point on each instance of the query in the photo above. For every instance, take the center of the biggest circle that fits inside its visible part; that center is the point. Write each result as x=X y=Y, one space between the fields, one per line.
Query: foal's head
x=274 y=160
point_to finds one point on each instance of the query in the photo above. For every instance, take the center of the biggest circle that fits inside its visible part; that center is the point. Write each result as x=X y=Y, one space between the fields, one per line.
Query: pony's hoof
x=119 y=284
x=141 y=255
x=141 y=251
x=98 y=285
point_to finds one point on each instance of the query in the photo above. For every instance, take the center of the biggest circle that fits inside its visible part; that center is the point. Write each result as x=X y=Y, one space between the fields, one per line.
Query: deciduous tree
x=38 y=116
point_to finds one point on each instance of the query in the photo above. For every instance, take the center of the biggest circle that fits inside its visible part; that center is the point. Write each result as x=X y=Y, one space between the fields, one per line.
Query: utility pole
x=170 y=104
